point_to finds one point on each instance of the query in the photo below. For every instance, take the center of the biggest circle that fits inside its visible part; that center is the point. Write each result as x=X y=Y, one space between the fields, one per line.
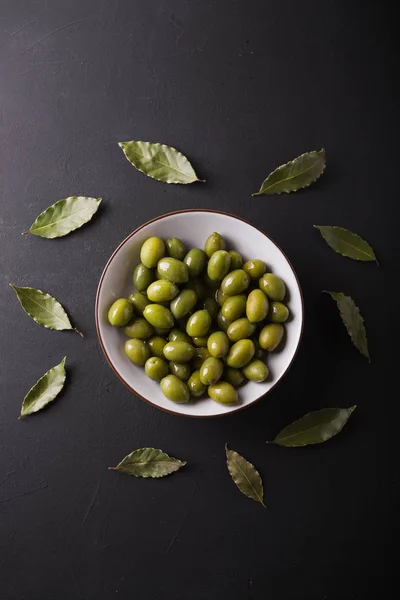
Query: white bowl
x=193 y=227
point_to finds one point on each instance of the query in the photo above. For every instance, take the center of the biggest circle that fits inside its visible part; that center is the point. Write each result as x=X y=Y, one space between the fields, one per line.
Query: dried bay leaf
x=294 y=175
x=64 y=216
x=347 y=243
x=159 y=161
x=245 y=476
x=45 y=390
x=148 y=462
x=315 y=427
x=353 y=321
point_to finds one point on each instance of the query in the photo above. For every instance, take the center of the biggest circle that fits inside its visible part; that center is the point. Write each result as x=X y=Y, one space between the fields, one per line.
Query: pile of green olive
x=201 y=319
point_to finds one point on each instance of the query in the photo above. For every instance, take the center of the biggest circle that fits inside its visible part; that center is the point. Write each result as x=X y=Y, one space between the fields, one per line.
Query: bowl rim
x=124 y=241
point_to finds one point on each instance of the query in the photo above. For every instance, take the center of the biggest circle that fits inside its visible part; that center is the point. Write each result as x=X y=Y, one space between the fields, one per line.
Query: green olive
x=235 y=282
x=223 y=392
x=233 y=376
x=236 y=260
x=158 y=316
x=259 y=353
x=255 y=268
x=234 y=307
x=278 y=312
x=200 y=355
x=210 y=284
x=198 y=286
x=139 y=301
x=211 y=370
x=240 y=354
x=176 y=335
x=178 y=351
x=181 y=323
x=222 y=323
x=198 y=324
x=152 y=250
x=200 y=342
x=218 y=265
x=139 y=328
x=156 y=368
x=181 y=370
x=162 y=331
x=137 y=351
x=162 y=290
x=156 y=345
x=142 y=277
x=221 y=297
x=218 y=344
x=214 y=242
x=195 y=260
x=175 y=248
x=174 y=389
x=183 y=303
x=172 y=269
x=120 y=312
x=273 y=287
x=211 y=306
x=196 y=388
x=257 y=306
x=240 y=329
x=271 y=336
x=256 y=371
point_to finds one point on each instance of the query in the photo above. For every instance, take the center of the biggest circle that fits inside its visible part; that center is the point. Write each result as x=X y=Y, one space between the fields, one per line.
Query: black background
x=240 y=87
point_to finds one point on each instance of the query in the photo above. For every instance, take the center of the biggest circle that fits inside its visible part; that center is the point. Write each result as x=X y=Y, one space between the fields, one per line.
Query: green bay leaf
x=315 y=427
x=347 y=243
x=353 y=321
x=245 y=476
x=294 y=175
x=45 y=390
x=148 y=462
x=159 y=161
x=43 y=308
x=65 y=216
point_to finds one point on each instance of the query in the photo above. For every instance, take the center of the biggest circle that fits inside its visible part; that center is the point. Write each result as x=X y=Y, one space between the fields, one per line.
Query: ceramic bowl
x=193 y=227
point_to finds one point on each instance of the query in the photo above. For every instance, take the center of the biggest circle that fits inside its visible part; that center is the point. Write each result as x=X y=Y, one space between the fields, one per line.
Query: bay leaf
x=43 y=308
x=315 y=427
x=159 y=161
x=245 y=476
x=64 y=216
x=294 y=175
x=353 y=321
x=148 y=462
x=347 y=243
x=45 y=390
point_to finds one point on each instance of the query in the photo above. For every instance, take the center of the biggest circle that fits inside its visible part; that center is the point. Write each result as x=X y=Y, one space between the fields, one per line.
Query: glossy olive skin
x=223 y=392
x=257 y=306
x=139 y=328
x=256 y=371
x=162 y=290
x=236 y=260
x=278 y=312
x=233 y=376
x=211 y=370
x=174 y=389
x=156 y=368
x=273 y=287
x=220 y=297
x=139 y=301
x=212 y=307
x=218 y=344
x=218 y=265
x=120 y=313
x=172 y=269
x=198 y=286
x=137 y=351
x=156 y=345
x=158 y=316
x=240 y=329
x=175 y=248
x=255 y=268
x=180 y=352
x=195 y=260
x=235 y=282
x=214 y=242
x=198 y=324
x=181 y=370
x=240 y=354
x=271 y=336
x=234 y=307
x=223 y=324
x=176 y=335
x=200 y=355
x=152 y=250
x=142 y=277
x=200 y=342
x=183 y=303
x=196 y=388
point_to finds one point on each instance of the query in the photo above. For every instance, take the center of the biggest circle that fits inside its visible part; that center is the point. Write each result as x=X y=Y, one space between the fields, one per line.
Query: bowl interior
x=193 y=227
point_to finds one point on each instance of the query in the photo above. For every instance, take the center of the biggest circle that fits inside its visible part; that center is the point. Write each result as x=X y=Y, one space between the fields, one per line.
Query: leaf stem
x=25 y=232
x=79 y=332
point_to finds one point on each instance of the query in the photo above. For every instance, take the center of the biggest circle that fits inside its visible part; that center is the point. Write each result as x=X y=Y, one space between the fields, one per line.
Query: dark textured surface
x=240 y=87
